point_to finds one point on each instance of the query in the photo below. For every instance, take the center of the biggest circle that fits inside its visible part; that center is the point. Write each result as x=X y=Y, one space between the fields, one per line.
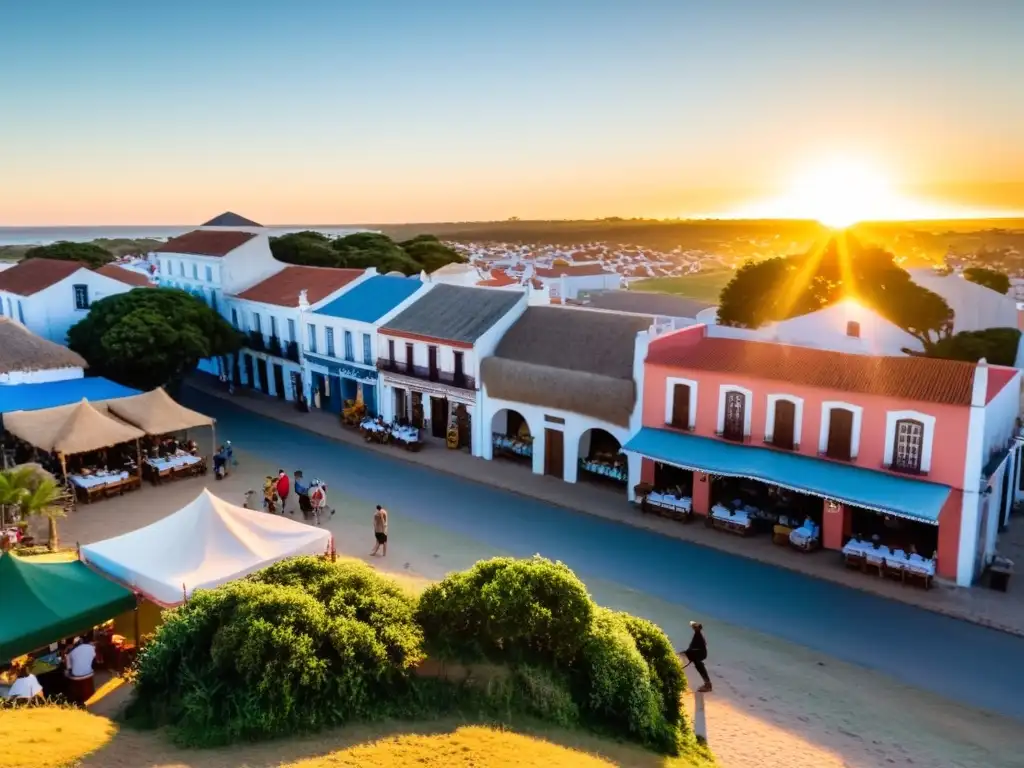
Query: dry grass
x=50 y=737
x=703 y=286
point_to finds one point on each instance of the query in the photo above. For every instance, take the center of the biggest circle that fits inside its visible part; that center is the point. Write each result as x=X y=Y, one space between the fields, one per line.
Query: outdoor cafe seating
x=877 y=558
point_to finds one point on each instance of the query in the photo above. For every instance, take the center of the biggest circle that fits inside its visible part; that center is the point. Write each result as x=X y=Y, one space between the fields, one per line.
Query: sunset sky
x=115 y=112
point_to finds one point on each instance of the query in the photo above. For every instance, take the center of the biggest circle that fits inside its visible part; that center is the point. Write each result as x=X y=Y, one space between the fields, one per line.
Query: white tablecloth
x=803 y=535
x=670 y=502
x=739 y=517
x=373 y=426
x=406 y=434
x=173 y=462
x=897 y=557
x=95 y=481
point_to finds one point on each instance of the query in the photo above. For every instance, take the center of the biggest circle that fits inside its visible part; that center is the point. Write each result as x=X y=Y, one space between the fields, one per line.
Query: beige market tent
x=156 y=413
x=70 y=429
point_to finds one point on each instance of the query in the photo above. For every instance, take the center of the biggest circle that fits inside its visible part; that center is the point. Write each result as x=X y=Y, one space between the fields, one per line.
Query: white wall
x=41 y=377
x=827 y=329
x=250 y=263
x=976 y=307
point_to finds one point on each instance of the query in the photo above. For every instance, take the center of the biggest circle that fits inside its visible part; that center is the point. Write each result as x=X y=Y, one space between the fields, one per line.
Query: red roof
x=31 y=276
x=283 y=288
x=127 y=276
x=908 y=378
x=206 y=242
x=575 y=270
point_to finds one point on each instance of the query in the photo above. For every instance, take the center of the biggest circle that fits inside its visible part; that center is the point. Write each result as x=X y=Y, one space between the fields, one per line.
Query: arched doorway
x=601 y=456
x=511 y=437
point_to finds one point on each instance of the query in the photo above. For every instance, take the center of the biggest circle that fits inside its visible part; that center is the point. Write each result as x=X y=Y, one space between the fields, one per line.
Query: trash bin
x=999 y=574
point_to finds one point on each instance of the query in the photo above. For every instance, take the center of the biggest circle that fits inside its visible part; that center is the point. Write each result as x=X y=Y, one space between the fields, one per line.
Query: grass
x=59 y=737
x=703 y=286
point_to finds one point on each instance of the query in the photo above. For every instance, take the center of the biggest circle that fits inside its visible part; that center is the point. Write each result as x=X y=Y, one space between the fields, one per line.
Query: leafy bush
x=536 y=692
x=662 y=662
x=507 y=611
x=997 y=345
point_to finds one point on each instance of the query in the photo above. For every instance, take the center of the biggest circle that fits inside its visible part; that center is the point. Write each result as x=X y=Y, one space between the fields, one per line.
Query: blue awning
x=366 y=374
x=33 y=397
x=879 y=491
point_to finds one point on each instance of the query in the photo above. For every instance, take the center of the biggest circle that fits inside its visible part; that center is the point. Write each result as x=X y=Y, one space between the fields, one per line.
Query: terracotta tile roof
x=206 y=242
x=908 y=378
x=283 y=288
x=498 y=279
x=575 y=270
x=127 y=276
x=31 y=276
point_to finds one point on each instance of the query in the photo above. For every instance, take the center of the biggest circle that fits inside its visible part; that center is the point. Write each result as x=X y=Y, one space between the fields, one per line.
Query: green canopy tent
x=44 y=602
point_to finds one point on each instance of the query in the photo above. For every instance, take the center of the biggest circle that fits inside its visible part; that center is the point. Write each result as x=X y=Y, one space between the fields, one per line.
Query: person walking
x=270 y=495
x=317 y=499
x=697 y=654
x=302 y=492
x=283 y=489
x=380 y=531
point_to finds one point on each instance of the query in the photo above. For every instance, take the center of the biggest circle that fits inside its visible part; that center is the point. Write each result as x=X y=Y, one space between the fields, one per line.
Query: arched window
x=907 y=446
x=681 y=406
x=783 y=431
x=735 y=416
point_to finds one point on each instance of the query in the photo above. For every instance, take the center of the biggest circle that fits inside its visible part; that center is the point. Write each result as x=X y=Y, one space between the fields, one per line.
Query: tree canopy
x=997 y=345
x=150 y=336
x=362 y=250
x=781 y=288
x=989 y=278
x=89 y=254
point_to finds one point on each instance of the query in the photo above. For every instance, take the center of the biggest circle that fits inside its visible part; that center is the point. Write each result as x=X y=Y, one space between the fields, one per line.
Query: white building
x=429 y=358
x=341 y=350
x=273 y=313
x=975 y=307
x=562 y=392
x=565 y=282
x=49 y=296
x=29 y=359
x=457 y=273
x=845 y=326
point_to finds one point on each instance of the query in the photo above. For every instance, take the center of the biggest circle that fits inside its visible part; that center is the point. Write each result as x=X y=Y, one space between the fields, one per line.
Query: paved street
x=967 y=663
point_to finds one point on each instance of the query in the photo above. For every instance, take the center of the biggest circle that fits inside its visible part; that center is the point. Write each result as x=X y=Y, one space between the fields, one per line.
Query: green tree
x=44 y=501
x=997 y=345
x=31 y=492
x=362 y=250
x=14 y=483
x=152 y=337
x=306 y=248
x=989 y=278
x=89 y=254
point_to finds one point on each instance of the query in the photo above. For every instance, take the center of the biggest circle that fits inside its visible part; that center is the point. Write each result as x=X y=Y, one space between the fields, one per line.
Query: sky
x=342 y=111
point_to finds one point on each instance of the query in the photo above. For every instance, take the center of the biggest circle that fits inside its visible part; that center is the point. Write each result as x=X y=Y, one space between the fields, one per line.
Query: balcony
x=274 y=347
x=292 y=351
x=457 y=380
x=255 y=341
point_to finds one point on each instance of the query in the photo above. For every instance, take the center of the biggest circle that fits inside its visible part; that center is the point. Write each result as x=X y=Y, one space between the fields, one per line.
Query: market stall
x=98 y=455
x=203 y=545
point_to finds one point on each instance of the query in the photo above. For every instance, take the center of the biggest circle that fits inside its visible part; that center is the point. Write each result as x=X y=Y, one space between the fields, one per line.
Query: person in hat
x=697 y=654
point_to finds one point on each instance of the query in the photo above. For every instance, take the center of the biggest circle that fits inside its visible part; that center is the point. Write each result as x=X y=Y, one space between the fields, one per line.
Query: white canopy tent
x=207 y=543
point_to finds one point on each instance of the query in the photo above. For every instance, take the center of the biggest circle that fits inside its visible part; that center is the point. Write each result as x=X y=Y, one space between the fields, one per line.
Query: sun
x=840 y=193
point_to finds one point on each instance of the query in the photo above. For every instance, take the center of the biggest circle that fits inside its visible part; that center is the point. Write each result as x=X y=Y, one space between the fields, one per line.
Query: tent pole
x=64 y=467
x=135 y=622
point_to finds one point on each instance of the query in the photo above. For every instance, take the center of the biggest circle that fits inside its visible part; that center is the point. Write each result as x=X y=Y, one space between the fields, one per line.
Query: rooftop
x=127 y=276
x=573 y=270
x=229 y=219
x=453 y=313
x=30 y=276
x=283 y=288
x=371 y=299
x=923 y=379
x=22 y=350
x=206 y=242
x=663 y=304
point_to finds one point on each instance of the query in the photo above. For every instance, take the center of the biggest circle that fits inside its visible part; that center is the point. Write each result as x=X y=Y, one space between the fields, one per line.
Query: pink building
x=919 y=452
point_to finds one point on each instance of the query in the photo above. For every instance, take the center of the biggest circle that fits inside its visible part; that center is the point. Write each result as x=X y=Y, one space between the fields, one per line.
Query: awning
x=46 y=602
x=879 y=491
x=70 y=429
x=33 y=397
x=156 y=413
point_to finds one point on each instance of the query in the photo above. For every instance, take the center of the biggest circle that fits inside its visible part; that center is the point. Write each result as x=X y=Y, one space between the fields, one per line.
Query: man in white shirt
x=25 y=687
x=80 y=659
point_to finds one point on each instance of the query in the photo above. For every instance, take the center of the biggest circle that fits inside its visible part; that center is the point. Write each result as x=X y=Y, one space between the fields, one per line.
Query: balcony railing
x=458 y=380
x=904 y=470
x=255 y=341
x=291 y=351
x=274 y=347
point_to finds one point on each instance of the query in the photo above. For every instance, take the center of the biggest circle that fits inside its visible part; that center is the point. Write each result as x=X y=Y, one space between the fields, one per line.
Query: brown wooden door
x=735 y=416
x=439 y=416
x=785 y=423
x=554 y=453
x=840 y=434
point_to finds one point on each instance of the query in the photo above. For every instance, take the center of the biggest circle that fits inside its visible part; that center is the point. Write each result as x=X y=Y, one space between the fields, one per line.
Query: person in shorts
x=380 y=531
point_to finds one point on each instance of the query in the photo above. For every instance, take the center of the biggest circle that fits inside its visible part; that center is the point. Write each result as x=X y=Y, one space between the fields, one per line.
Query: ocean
x=46 y=235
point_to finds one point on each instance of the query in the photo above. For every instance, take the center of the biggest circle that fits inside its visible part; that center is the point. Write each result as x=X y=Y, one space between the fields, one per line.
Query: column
x=634 y=476
x=571 y=466
x=833 y=524
x=701 y=494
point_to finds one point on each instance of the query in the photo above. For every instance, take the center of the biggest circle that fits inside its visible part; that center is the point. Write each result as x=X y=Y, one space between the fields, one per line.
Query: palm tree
x=14 y=484
x=44 y=500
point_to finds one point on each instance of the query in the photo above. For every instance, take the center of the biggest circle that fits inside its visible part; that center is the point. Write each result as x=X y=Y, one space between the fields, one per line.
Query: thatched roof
x=156 y=413
x=69 y=429
x=568 y=359
x=22 y=350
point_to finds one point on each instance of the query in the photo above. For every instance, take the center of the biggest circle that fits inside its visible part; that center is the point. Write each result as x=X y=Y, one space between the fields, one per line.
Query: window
x=853 y=329
x=460 y=373
x=213 y=300
x=784 y=427
x=367 y=349
x=165 y=267
x=195 y=271
x=408 y=358
x=311 y=333
x=735 y=416
x=840 y=434
x=329 y=341
x=256 y=323
x=10 y=308
x=234 y=317
x=291 y=329
x=209 y=274
x=81 y=296
x=181 y=268
x=273 y=326
x=391 y=351
x=432 y=362
x=907 y=448
x=680 y=418
x=21 y=312
x=348 y=347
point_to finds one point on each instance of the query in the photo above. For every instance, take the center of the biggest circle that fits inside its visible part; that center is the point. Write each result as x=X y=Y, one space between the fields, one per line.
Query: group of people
x=312 y=496
x=76 y=660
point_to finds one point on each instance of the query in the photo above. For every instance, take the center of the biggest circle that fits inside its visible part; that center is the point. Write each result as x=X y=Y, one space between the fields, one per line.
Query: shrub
x=662 y=662
x=507 y=610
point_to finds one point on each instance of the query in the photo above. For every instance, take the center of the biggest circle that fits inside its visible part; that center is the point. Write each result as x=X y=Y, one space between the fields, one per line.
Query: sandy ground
x=775 y=703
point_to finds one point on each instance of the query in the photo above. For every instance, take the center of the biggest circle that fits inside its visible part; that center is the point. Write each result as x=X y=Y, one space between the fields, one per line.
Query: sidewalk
x=1002 y=611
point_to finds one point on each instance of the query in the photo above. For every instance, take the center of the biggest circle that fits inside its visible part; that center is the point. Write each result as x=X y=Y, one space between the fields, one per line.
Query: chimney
x=303 y=300
x=980 y=394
